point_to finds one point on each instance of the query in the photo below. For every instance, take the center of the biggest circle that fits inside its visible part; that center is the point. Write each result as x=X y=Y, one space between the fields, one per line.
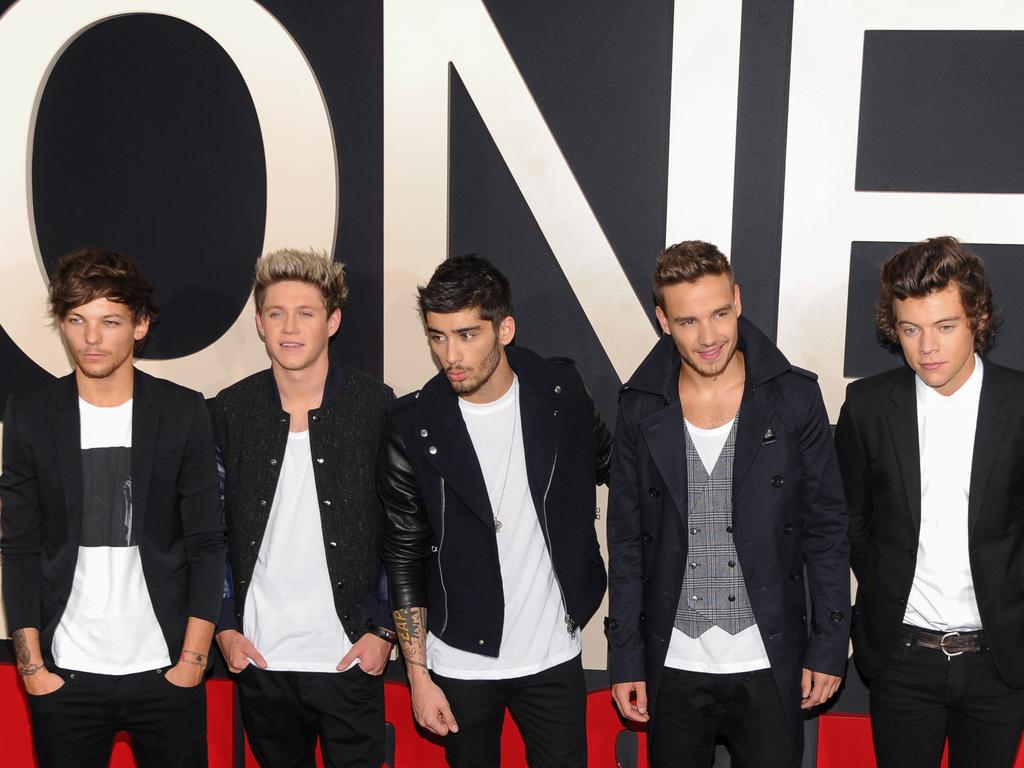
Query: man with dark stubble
x=488 y=479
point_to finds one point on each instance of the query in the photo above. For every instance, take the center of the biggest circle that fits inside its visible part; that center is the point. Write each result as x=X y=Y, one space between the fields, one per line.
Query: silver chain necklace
x=508 y=464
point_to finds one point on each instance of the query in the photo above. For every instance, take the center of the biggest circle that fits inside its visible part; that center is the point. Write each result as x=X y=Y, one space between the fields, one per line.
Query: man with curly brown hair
x=932 y=456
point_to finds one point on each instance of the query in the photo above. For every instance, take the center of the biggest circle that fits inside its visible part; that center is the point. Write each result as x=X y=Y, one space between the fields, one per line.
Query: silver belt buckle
x=942 y=645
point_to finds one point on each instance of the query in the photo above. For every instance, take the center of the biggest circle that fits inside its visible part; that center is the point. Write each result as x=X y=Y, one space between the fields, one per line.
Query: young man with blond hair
x=305 y=630
x=112 y=538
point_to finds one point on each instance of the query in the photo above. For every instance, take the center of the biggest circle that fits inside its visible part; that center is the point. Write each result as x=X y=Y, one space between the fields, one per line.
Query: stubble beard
x=488 y=366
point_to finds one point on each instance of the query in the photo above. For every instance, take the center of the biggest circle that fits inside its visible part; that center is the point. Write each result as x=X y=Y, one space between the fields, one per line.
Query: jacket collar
x=658 y=374
x=332 y=388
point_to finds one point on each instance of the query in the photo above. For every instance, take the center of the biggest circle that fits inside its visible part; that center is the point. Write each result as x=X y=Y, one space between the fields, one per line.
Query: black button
x=693 y=565
x=787 y=529
x=732 y=563
x=795 y=576
x=613 y=623
x=901 y=601
x=912 y=553
x=643 y=618
x=345 y=617
x=645 y=580
x=693 y=531
x=241 y=581
x=252 y=543
x=777 y=481
x=836 y=615
x=655 y=493
x=803 y=618
x=648 y=538
x=728 y=529
x=341 y=584
x=732 y=598
x=63 y=601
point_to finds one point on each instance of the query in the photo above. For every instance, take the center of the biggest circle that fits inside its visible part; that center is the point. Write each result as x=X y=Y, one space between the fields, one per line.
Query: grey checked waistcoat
x=714 y=593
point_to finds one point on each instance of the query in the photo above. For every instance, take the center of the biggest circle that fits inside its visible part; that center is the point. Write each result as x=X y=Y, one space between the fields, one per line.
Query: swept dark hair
x=93 y=273
x=687 y=262
x=467 y=282
x=929 y=266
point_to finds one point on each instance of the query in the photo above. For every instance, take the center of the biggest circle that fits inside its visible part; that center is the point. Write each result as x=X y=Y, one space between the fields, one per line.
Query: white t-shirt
x=290 y=614
x=534 y=636
x=108 y=626
x=942 y=594
x=715 y=651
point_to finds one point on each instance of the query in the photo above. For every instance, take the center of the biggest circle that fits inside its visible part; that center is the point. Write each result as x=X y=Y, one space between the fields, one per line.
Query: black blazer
x=439 y=539
x=176 y=506
x=788 y=515
x=880 y=460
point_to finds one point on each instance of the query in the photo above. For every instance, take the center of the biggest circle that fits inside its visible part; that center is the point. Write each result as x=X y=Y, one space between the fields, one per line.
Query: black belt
x=950 y=643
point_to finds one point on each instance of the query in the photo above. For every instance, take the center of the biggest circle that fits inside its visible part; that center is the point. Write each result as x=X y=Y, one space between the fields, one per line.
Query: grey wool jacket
x=251 y=430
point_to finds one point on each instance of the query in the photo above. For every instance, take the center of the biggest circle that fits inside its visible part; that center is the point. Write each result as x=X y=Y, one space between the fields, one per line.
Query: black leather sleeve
x=603 y=438
x=407 y=532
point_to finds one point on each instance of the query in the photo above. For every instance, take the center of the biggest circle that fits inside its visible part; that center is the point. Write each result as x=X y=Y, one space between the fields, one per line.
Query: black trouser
x=921 y=697
x=74 y=726
x=285 y=712
x=550 y=708
x=694 y=709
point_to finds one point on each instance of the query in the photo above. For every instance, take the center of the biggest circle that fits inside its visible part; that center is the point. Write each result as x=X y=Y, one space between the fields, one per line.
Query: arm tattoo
x=191 y=657
x=411 y=626
x=23 y=654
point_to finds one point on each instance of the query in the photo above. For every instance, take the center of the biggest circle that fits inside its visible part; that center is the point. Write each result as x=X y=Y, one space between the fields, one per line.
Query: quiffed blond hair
x=309 y=266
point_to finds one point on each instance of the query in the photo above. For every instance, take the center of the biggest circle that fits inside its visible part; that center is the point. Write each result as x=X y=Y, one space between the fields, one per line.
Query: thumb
x=641 y=698
x=446 y=716
x=347 y=659
x=805 y=683
x=256 y=656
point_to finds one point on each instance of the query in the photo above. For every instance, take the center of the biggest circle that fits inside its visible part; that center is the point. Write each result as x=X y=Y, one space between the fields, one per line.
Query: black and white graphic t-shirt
x=109 y=626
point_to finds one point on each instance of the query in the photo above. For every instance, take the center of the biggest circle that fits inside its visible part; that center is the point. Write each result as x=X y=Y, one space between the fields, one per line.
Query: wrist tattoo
x=415 y=663
x=23 y=655
x=191 y=657
x=27 y=670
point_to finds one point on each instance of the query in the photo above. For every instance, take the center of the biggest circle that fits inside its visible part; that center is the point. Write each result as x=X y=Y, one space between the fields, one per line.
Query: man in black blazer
x=304 y=628
x=724 y=491
x=112 y=539
x=488 y=480
x=932 y=456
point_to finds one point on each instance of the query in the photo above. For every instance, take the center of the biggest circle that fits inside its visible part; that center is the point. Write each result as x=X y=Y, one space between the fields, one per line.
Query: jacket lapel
x=444 y=442
x=755 y=418
x=902 y=420
x=145 y=422
x=68 y=437
x=987 y=439
x=542 y=425
x=665 y=434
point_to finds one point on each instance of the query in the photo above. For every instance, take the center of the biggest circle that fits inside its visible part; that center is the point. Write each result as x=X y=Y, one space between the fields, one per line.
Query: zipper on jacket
x=570 y=625
x=440 y=571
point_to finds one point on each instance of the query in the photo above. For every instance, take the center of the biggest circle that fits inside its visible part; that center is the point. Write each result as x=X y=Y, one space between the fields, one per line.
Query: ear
x=507 y=331
x=259 y=327
x=141 y=328
x=334 y=322
x=662 y=320
x=736 y=299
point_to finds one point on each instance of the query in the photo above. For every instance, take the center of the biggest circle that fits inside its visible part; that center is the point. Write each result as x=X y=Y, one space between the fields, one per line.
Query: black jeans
x=921 y=697
x=285 y=712
x=550 y=708
x=694 y=709
x=74 y=726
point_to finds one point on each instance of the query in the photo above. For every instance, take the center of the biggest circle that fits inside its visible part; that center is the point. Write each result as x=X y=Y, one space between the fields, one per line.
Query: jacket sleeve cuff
x=227 y=615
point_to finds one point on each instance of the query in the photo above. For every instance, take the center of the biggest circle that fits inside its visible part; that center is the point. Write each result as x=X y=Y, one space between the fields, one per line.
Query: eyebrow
x=954 y=319
x=681 y=318
x=456 y=331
